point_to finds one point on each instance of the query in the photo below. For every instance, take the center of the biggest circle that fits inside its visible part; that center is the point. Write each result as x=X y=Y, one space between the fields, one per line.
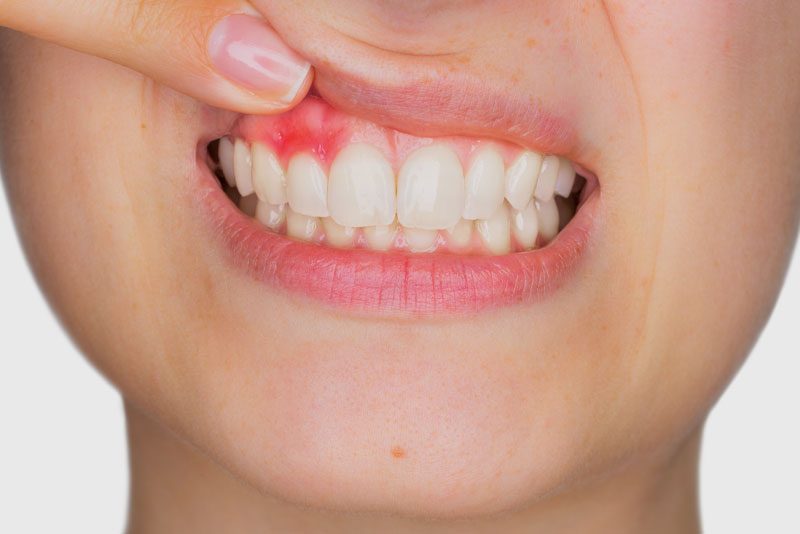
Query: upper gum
x=314 y=126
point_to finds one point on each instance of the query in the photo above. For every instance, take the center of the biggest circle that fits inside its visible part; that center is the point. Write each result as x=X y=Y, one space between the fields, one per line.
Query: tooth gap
x=213 y=151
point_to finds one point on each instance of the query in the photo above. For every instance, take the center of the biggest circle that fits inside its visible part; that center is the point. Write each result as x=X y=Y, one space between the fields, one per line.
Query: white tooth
x=271 y=215
x=361 y=187
x=545 y=187
x=269 y=180
x=521 y=178
x=248 y=205
x=430 y=189
x=307 y=186
x=459 y=236
x=420 y=240
x=301 y=226
x=566 y=178
x=525 y=225
x=225 y=154
x=484 y=185
x=337 y=235
x=547 y=213
x=496 y=231
x=242 y=168
x=380 y=237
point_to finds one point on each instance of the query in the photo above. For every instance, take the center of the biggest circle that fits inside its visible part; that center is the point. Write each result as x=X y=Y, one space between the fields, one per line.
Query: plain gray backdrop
x=63 y=463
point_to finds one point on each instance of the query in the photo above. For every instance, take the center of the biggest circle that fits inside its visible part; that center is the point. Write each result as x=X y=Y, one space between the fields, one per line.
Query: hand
x=219 y=51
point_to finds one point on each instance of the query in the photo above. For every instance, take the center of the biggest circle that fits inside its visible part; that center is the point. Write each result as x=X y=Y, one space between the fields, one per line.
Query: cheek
x=722 y=169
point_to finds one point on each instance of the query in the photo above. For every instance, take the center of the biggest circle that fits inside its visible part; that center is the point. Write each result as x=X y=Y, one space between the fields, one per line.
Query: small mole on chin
x=398 y=452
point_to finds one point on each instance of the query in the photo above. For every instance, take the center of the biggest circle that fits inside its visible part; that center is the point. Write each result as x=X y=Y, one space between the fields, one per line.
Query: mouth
x=329 y=207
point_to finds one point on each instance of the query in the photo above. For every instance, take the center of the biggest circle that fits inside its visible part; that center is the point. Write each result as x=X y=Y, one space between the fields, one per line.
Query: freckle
x=398 y=452
x=531 y=43
x=547 y=22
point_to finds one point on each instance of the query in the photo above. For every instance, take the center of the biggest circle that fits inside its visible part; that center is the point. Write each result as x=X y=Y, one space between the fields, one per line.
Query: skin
x=582 y=412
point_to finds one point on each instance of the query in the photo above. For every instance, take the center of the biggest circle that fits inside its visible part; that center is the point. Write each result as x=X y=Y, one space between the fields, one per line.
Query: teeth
x=248 y=205
x=361 y=187
x=241 y=168
x=432 y=195
x=420 y=240
x=269 y=181
x=566 y=178
x=545 y=186
x=459 y=236
x=271 y=215
x=547 y=213
x=521 y=178
x=307 y=186
x=484 y=185
x=525 y=225
x=301 y=226
x=496 y=231
x=225 y=152
x=430 y=189
x=337 y=235
x=380 y=237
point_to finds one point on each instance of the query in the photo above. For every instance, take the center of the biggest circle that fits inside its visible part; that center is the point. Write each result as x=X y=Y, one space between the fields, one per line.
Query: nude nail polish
x=248 y=52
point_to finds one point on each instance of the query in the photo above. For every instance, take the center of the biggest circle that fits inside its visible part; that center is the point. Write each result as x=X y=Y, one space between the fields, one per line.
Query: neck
x=176 y=488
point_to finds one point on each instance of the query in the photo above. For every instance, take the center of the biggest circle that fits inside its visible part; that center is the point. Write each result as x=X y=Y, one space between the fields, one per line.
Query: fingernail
x=248 y=52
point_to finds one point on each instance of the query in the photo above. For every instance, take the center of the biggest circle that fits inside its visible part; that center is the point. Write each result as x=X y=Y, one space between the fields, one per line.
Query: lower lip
x=393 y=284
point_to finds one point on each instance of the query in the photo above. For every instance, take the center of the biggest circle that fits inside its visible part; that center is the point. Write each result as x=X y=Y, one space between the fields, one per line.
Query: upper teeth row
x=432 y=192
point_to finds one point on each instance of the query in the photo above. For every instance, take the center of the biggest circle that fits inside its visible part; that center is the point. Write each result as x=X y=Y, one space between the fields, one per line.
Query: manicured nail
x=248 y=52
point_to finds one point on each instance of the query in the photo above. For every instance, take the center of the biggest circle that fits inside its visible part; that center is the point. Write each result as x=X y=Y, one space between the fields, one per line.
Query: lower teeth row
x=509 y=230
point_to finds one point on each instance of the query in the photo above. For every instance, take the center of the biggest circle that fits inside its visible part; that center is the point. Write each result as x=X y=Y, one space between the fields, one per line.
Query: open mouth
x=343 y=210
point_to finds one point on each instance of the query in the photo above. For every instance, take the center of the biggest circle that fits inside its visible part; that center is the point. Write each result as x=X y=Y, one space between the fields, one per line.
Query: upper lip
x=436 y=95
x=428 y=105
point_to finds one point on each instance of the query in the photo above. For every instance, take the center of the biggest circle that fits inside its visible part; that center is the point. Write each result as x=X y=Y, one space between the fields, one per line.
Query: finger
x=219 y=51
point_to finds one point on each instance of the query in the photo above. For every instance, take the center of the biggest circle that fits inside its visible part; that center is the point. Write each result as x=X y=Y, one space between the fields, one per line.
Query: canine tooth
x=459 y=235
x=566 y=178
x=525 y=225
x=269 y=180
x=380 y=237
x=547 y=214
x=496 y=231
x=271 y=215
x=337 y=235
x=248 y=205
x=430 y=189
x=242 y=166
x=300 y=226
x=361 y=189
x=484 y=185
x=520 y=179
x=307 y=186
x=225 y=153
x=545 y=186
x=420 y=240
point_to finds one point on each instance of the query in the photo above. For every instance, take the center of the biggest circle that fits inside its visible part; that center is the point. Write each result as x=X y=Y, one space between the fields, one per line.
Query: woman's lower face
x=450 y=375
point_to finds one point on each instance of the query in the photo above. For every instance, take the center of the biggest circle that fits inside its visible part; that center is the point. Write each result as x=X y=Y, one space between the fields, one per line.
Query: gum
x=316 y=127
